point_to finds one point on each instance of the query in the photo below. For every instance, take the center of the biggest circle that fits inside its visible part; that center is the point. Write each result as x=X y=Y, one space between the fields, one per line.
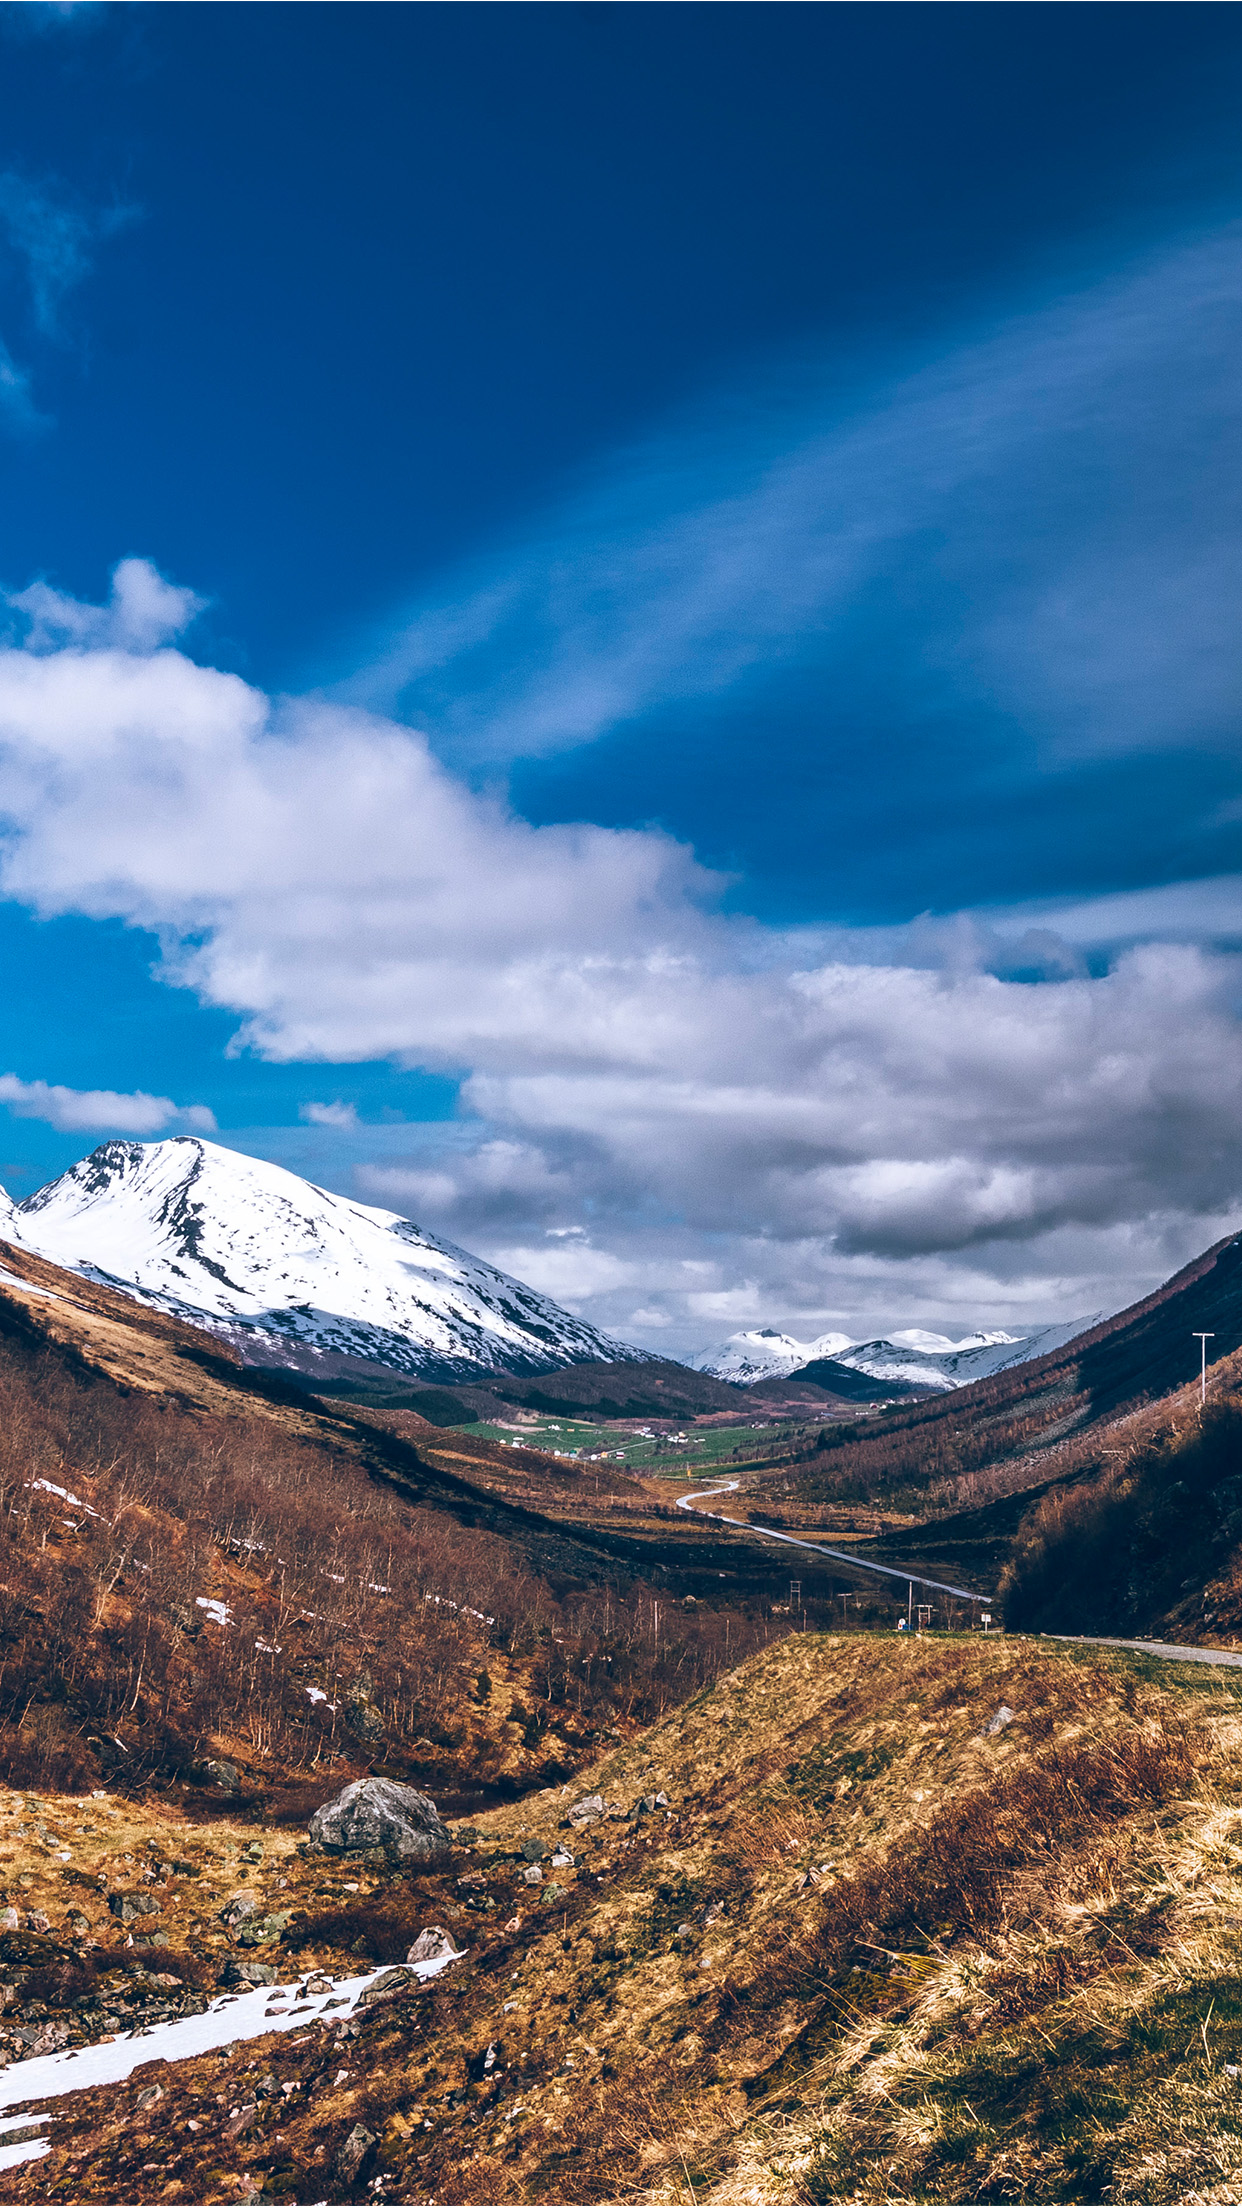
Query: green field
x=709 y=1448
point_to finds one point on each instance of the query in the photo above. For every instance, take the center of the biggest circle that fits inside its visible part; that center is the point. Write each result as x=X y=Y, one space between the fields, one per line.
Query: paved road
x=841 y=1556
x=1168 y=1650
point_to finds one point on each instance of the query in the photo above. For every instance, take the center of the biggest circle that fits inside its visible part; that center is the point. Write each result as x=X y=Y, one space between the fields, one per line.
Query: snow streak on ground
x=233 y=2016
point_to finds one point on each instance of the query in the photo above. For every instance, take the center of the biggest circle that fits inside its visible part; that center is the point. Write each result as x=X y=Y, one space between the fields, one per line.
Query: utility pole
x=1204 y=1339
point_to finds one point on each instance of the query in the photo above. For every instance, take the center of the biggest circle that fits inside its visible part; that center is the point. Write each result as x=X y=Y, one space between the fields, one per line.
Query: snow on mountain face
x=290 y=1273
x=913 y=1354
x=933 y=1361
x=763 y=1354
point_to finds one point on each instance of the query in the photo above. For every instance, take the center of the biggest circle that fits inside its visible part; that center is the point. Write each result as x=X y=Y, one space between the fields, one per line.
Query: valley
x=860 y=1913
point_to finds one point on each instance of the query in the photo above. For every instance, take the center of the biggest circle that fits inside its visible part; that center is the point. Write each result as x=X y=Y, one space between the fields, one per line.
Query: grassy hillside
x=871 y=1952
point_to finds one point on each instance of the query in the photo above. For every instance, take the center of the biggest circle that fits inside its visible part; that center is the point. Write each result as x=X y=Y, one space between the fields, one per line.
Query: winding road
x=817 y=1548
x=1169 y=1652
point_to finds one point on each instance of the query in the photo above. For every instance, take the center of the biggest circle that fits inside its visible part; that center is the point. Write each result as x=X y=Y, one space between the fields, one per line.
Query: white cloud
x=142 y=613
x=802 y=1130
x=103 y=1111
x=329 y=1115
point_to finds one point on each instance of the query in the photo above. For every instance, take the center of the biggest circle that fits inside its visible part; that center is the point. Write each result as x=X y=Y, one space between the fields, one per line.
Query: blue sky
x=622 y=633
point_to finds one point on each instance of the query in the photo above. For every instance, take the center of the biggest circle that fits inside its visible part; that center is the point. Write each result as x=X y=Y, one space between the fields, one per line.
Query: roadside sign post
x=1204 y=1339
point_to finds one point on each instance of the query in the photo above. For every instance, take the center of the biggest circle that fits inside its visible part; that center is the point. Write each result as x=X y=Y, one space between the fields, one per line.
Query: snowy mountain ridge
x=911 y=1354
x=289 y=1273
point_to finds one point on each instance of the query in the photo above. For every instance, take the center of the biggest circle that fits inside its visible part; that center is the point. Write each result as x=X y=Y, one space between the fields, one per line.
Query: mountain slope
x=995 y=1436
x=291 y=1274
x=912 y=1356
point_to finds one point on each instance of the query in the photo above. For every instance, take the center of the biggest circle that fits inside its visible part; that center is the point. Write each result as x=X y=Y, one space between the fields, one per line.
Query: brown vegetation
x=871 y=1952
x=363 y=1621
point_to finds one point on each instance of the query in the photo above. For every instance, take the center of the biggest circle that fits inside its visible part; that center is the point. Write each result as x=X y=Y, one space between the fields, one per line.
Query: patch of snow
x=219 y=1611
x=26 y=2150
x=232 y=2016
x=49 y=1487
x=316 y=1694
x=270 y=1648
x=14 y=1280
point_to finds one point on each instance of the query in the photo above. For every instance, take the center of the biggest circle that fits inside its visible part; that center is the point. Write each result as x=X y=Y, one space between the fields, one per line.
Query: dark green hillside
x=656 y=1389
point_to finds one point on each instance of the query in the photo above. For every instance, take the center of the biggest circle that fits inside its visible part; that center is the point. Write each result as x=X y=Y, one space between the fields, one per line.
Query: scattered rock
x=1004 y=1716
x=647 y=1805
x=532 y=1875
x=217 y=1773
x=380 y=1813
x=388 y=1987
x=9 y=1920
x=129 y=1906
x=149 y=2096
x=261 y=1931
x=433 y=1944
x=244 y=1972
x=353 y=2153
x=38 y=1920
x=562 y=1860
x=237 y=1908
x=586 y=1812
x=318 y=1982
x=535 y=1850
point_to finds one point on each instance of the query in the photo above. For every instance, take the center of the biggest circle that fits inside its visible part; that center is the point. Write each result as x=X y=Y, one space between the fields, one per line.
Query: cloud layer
x=739 y=1120
x=103 y=1111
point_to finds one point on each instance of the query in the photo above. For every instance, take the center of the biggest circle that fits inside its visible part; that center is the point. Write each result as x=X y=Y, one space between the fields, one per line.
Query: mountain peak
x=292 y=1273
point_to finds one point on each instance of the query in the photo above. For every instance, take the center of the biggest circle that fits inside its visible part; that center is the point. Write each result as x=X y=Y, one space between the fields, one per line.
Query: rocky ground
x=865 y=1921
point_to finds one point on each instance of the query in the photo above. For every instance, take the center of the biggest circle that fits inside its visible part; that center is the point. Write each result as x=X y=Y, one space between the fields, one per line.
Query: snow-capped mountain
x=763 y=1354
x=291 y=1274
x=911 y=1356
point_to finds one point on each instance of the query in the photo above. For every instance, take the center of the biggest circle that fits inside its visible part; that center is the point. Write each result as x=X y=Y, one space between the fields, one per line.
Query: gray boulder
x=247 y=1974
x=378 y=1813
x=129 y=1906
x=431 y=1946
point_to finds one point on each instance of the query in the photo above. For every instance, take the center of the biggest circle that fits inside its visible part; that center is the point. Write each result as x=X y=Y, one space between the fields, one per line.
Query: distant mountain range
x=909 y=1361
x=291 y=1275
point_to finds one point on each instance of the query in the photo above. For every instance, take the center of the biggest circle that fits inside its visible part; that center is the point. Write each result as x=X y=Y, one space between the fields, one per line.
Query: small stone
x=585 y=1812
x=237 y=1908
x=1004 y=1716
x=261 y=1931
x=149 y=2096
x=353 y=2152
x=244 y=1972
x=532 y=1875
x=9 y=1920
x=535 y=1850
x=217 y=1773
x=388 y=1986
x=129 y=1906
x=433 y=1945
x=37 y=1920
